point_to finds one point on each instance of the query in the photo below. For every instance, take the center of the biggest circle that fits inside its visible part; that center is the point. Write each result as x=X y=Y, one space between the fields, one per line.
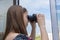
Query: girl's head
x=16 y=20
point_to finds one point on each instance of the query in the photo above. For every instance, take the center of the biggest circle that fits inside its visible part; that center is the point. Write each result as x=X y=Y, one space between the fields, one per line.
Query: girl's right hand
x=40 y=19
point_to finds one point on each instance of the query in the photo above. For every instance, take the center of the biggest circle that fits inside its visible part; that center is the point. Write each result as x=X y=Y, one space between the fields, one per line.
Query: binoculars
x=32 y=18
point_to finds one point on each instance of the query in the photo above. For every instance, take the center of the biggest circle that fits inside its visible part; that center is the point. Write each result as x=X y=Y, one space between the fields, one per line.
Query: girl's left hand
x=33 y=24
x=33 y=32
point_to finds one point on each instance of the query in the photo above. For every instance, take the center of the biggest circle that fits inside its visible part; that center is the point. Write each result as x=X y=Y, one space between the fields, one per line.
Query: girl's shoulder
x=22 y=37
x=11 y=36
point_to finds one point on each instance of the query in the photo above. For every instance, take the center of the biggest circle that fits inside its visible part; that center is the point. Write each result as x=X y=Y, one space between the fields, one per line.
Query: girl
x=17 y=22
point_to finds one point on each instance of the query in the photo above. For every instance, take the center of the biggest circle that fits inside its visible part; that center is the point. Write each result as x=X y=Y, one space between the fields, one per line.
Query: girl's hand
x=33 y=24
x=41 y=19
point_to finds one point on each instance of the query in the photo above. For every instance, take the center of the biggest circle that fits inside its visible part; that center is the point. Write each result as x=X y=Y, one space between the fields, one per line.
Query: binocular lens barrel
x=32 y=18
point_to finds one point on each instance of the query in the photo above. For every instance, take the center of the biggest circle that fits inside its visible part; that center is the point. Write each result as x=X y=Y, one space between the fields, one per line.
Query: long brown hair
x=15 y=21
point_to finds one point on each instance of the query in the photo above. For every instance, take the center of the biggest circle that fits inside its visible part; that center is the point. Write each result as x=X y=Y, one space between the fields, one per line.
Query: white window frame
x=54 y=21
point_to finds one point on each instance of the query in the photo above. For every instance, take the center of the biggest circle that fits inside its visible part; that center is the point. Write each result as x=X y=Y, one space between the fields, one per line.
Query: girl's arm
x=41 y=23
x=44 y=35
x=33 y=24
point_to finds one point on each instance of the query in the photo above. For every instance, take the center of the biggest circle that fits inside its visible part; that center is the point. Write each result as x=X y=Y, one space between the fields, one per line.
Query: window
x=50 y=8
x=35 y=7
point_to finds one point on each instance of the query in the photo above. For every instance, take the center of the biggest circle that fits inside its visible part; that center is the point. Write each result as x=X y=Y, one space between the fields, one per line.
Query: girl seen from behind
x=17 y=22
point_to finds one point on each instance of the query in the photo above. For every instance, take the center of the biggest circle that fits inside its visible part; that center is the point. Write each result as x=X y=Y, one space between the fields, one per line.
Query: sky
x=41 y=6
x=36 y=7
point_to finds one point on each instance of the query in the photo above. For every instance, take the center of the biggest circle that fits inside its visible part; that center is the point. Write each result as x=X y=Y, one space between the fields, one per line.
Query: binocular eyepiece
x=32 y=18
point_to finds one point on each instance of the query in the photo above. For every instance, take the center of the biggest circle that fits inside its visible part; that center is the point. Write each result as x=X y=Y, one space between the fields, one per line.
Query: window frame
x=54 y=21
x=15 y=2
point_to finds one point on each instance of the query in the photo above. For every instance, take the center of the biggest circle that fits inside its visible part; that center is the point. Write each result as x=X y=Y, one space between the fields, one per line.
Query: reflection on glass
x=36 y=7
x=4 y=5
x=58 y=14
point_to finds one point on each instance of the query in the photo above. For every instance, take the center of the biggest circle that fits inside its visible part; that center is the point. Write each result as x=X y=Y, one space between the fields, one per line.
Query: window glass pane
x=36 y=7
x=4 y=5
x=58 y=14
